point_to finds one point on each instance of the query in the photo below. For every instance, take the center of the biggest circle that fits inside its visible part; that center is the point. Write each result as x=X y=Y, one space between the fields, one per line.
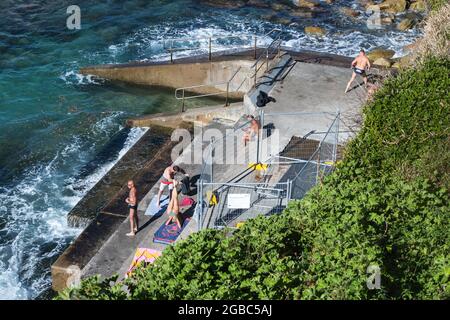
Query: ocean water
x=53 y=121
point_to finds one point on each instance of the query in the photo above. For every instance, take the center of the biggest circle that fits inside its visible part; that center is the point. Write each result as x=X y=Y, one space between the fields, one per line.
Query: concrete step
x=266 y=82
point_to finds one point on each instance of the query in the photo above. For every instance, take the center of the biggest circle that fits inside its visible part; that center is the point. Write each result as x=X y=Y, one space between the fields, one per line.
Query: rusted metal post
x=228 y=89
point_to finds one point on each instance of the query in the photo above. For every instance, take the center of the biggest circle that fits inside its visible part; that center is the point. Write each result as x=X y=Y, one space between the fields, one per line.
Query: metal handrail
x=274 y=45
x=265 y=55
x=171 y=49
x=184 y=89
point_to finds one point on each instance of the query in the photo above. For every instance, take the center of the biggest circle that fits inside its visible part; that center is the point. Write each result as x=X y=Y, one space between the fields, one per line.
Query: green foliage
x=435 y=5
x=408 y=125
x=260 y=261
x=387 y=204
x=94 y=288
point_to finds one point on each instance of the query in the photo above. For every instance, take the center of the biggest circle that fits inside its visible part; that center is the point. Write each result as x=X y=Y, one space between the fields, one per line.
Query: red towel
x=187 y=202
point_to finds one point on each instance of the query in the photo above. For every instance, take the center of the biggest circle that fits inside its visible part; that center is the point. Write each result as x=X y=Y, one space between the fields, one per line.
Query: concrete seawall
x=199 y=70
x=103 y=210
x=183 y=75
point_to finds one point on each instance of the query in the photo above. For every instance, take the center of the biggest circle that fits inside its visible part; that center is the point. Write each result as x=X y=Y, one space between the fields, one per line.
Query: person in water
x=132 y=206
x=167 y=180
x=173 y=210
x=360 y=65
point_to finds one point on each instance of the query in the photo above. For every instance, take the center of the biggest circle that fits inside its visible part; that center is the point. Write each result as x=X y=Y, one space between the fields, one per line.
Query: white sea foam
x=73 y=77
x=35 y=211
x=81 y=186
x=238 y=33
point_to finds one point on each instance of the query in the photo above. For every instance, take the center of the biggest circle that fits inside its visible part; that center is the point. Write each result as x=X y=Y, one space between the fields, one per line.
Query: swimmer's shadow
x=371 y=79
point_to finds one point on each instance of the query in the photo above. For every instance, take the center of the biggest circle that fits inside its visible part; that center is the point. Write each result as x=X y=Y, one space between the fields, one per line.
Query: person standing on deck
x=359 y=66
x=167 y=180
x=132 y=206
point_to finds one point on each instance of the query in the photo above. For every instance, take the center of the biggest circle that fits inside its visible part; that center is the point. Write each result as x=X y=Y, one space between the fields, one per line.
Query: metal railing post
x=210 y=48
x=336 y=137
x=200 y=203
x=289 y=190
x=182 y=105
x=318 y=163
x=211 y=156
x=228 y=89
x=255 y=53
x=258 y=147
x=171 y=51
x=256 y=74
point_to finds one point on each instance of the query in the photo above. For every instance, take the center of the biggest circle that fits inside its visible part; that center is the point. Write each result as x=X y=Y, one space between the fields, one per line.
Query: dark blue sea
x=54 y=122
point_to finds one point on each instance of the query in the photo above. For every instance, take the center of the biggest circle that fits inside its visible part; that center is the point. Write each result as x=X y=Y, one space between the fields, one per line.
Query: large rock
x=349 y=12
x=404 y=61
x=306 y=3
x=410 y=47
x=282 y=20
x=383 y=62
x=230 y=4
x=373 y=7
x=302 y=13
x=393 y=6
x=380 y=53
x=315 y=30
x=387 y=20
x=418 y=5
x=365 y=3
x=258 y=3
x=406 y=24
x=279 y=6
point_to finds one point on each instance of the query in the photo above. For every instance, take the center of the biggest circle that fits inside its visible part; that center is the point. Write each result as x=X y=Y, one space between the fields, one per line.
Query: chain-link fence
x=223 y=160
x=245 y=175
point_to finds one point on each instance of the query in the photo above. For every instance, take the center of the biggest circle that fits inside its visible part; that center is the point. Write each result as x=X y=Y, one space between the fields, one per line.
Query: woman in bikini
x=173 y=210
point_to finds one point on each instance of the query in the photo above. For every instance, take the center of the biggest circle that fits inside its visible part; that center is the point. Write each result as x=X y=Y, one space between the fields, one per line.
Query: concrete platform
x=315 y=88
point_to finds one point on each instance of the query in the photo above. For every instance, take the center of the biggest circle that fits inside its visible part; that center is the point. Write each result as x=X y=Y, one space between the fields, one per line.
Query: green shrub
x=408 y=120
x=436 y=4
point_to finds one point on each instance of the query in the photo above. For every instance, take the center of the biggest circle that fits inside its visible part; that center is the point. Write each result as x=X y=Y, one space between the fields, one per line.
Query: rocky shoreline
x=401 y=15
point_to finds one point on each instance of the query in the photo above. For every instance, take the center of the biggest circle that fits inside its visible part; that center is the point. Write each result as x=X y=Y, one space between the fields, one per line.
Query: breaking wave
x=33 y=223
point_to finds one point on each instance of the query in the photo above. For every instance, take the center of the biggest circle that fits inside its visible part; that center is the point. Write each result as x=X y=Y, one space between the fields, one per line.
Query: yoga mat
x=143 y=255
x=153 y=209
x=168 y=234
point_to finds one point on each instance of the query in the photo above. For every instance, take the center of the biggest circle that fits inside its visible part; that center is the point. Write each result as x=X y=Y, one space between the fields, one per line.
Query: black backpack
x=185 y=185
x=262 y=99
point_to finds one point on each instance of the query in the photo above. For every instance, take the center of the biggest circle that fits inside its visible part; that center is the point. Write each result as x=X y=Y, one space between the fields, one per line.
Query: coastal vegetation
x=386 y=205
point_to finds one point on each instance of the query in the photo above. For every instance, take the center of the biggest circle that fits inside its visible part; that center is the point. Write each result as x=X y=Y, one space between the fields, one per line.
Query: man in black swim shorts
x=359 y=66
x=132 y=206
